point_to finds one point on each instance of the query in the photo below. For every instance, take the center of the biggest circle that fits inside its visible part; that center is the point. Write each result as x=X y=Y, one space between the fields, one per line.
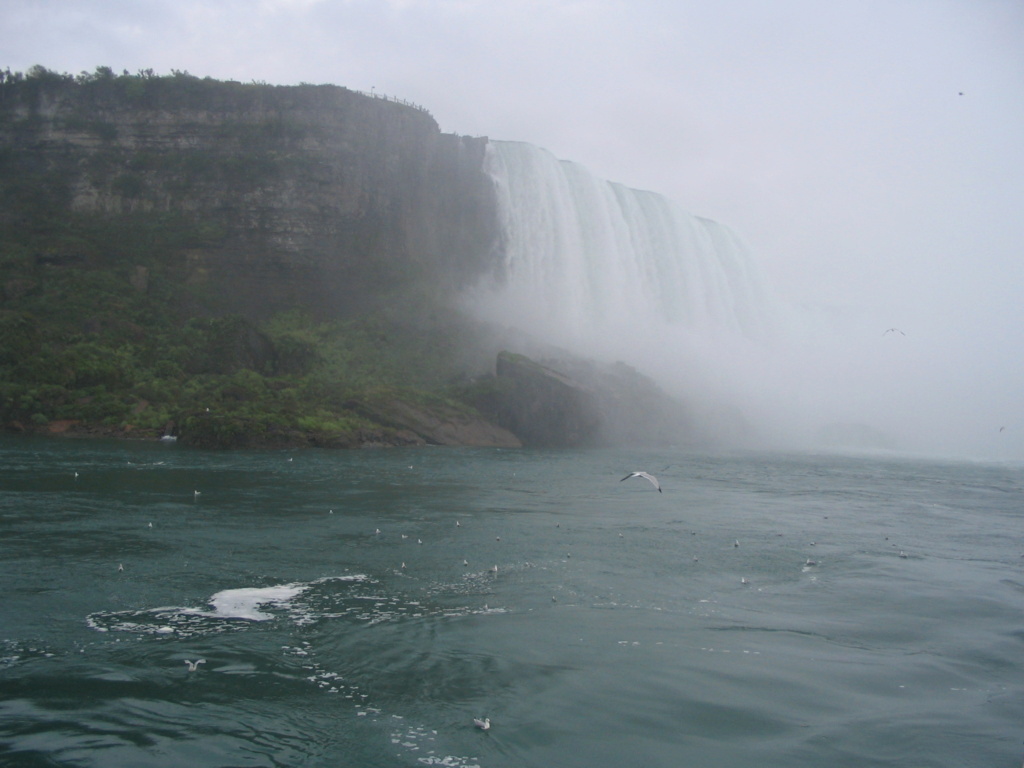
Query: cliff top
x=40 y=91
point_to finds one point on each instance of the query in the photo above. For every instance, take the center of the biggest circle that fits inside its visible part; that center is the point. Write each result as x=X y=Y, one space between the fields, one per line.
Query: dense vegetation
x=80 y=343
x=98 y=326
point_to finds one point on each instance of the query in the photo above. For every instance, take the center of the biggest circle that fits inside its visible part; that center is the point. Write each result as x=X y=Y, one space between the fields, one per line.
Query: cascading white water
x=607 y=270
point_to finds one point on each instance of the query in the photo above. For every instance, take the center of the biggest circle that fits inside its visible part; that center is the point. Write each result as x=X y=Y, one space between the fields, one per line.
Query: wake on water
x=357 y=597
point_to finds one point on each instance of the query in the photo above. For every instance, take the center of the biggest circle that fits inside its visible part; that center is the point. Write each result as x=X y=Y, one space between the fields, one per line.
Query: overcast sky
x=870 y=152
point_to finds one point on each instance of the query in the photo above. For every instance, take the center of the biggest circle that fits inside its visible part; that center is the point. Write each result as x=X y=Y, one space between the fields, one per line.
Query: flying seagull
x=483 y=725
x=645 y=476
x=895 y=330
x=192 y=665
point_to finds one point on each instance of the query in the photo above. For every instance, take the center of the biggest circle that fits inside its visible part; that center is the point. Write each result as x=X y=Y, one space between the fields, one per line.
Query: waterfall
x=600 y=268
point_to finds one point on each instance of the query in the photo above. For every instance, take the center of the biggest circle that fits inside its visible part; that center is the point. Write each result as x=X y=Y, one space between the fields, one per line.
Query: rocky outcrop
x=541 y=406
x=569 y=402
x=632 y=408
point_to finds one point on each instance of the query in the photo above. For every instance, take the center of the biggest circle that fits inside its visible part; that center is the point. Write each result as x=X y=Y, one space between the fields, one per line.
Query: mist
x=600 y=270
x=868 y=154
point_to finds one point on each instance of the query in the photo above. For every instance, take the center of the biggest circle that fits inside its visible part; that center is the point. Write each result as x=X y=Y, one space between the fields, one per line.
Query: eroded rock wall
x=311 y=196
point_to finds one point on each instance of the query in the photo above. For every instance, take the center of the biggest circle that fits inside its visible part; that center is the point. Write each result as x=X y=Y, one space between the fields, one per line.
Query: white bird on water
x=645 y=476
x=483 y=725
x=193 y=665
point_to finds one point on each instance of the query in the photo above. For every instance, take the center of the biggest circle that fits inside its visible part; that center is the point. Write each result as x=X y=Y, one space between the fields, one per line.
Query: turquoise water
x=622 y=626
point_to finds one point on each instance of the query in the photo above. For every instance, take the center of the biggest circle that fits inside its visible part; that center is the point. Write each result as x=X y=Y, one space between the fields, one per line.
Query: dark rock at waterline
x=568 y=402
x=632 y=408
x=543 y=407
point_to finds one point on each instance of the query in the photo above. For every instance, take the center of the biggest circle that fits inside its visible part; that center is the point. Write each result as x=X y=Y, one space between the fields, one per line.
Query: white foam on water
x=231 y=609
x=245 y=603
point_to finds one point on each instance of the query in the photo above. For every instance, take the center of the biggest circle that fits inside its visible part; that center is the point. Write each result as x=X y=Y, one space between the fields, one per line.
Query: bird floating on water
x=483 y=724
x=646 y=476
x=193 y=665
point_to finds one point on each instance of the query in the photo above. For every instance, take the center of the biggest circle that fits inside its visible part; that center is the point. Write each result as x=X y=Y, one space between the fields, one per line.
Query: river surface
x=360 y=608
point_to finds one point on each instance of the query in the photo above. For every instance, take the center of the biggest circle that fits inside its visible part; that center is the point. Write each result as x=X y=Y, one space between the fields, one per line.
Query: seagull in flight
x=894 y=330
x=193 y=665
x=645 y=476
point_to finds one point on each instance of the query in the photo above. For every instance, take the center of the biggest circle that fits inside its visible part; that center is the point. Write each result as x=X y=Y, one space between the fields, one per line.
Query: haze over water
x=622 y=626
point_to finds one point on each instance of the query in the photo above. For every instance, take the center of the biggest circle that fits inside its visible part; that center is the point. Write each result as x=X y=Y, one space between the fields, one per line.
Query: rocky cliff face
x=312 y=196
